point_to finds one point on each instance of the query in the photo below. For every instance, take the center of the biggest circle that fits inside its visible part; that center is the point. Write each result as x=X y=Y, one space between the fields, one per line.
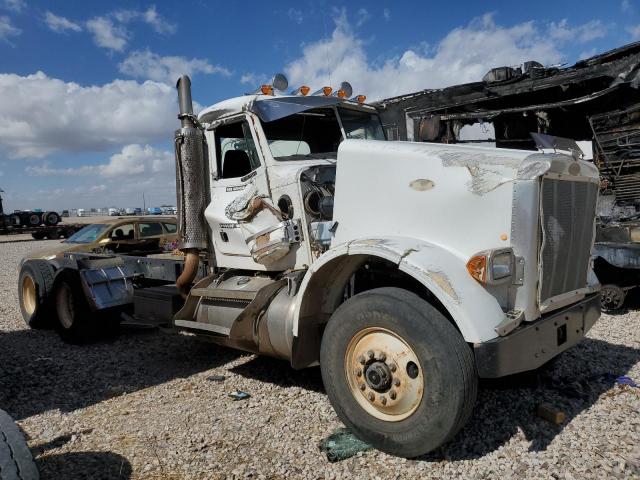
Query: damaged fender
x=474 y=310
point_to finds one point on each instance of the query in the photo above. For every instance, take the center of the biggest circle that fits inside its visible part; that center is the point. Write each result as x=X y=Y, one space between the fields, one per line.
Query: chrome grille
x=567 y=215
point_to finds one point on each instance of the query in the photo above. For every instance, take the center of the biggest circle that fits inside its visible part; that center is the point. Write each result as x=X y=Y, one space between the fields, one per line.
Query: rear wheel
x=34 y=219
x=397 y=372
x=73 y=312
x=51 y=218
x=35 y=283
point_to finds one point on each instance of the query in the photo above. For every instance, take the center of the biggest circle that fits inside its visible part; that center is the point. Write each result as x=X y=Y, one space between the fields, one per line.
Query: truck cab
x=405 y=270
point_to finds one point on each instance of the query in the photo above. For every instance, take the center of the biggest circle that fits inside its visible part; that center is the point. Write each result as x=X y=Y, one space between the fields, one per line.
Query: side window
x=149 y=229
x=170 y=227
x=122 y=232
x=236 y=150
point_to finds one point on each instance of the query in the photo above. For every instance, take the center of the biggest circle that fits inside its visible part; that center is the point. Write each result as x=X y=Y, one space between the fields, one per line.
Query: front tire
x=397 y=372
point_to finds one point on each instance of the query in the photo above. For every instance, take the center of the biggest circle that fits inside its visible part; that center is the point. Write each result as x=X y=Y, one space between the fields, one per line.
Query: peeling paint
x=484 y=180
x=532 y=170
x=442 y=280
x=240 y=203
x=422 y=184
x=453 y=158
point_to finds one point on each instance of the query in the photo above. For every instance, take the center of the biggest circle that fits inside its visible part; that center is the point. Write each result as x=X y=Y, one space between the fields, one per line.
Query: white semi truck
x=405 y=270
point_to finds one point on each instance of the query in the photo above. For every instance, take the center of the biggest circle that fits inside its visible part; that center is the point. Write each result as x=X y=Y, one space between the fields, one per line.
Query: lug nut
x=371 y=396
x=393 y=367
x=392 y=395
x=357 y=372
x=370 y=354
x=362 y=387
x=383 y=357
x=383 y=399
x=396 y=382
x=361 y=360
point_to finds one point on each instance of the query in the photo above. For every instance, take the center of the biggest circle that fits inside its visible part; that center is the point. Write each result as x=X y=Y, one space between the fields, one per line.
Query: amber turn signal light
x=477 y=267
x=266 y=89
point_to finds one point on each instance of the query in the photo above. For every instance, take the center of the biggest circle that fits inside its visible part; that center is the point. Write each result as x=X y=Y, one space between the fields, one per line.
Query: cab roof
x=270 y=108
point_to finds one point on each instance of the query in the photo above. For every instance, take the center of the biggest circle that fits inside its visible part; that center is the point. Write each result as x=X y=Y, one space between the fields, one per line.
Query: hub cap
x=384 y=374
x=29 y=300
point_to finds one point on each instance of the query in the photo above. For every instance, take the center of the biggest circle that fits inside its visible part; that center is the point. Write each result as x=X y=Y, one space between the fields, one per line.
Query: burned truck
x=405 y=270
x=596 y=101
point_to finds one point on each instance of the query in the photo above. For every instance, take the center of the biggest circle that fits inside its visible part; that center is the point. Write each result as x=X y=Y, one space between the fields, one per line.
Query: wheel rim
x=384 y=374
x=65 y=306
x=29 y=296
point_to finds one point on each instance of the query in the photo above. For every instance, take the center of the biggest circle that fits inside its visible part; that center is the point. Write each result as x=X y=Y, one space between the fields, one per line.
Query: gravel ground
x=142 y=406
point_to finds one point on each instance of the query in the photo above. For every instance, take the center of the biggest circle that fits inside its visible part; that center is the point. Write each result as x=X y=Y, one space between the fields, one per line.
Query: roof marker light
x=303 y=90
x=345 y=90
x=266 y=90
x=361 y=98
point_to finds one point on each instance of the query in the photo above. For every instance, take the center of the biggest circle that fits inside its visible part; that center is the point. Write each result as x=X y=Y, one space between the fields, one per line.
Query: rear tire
x=16 y=461
x=413 y=344
x=73 y=313
x=35 y=283
x=34 y=219
x=51 y=219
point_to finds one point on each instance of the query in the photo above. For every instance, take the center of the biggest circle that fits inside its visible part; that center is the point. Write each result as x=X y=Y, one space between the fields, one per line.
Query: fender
x=474 y=310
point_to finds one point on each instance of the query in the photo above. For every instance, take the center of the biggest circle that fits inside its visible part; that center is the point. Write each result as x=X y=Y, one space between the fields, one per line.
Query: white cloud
x=584 y=33
x=626 y=6
x=108 y=35
x=465 y=54
x=133 y=160
x=136 y=160
x=71 y=117
x=149 y=65
x=14 y=5
x=110 y=31
x=363 y=16
x=159 y=24
x=60 y=24
x=7 y=29
x=386 y=14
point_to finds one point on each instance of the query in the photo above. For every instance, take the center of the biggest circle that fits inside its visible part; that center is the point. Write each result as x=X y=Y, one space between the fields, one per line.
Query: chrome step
x=202 y=326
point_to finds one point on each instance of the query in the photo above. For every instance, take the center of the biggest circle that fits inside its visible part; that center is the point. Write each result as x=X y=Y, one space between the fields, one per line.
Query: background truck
x=40 y=225
x=596 y=101
x=405 y=270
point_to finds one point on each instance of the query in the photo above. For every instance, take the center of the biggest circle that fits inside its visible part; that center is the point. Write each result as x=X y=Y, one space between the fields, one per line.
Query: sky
x=87 y=89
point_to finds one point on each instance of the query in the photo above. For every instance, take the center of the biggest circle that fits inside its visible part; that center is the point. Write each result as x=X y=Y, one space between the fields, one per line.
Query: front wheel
x=397 y=372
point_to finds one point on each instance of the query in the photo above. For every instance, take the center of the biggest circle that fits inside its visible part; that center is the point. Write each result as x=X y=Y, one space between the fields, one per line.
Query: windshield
x=316 y=133
x=88 y=234
x=361 y=125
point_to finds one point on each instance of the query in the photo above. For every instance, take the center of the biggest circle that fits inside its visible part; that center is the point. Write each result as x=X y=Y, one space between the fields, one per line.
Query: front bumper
x=535 y=343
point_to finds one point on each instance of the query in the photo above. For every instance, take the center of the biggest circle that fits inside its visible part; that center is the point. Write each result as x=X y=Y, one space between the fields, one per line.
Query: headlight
x=492 y=266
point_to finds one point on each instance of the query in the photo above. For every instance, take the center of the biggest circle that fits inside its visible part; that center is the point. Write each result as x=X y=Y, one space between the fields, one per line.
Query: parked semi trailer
x=40 y=225
x=405 y=270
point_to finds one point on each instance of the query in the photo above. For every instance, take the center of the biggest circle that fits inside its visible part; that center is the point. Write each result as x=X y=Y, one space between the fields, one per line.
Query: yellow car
x=123 y=236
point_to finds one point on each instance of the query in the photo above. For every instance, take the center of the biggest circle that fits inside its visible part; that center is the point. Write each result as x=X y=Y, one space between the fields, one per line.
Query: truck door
x=240 y=175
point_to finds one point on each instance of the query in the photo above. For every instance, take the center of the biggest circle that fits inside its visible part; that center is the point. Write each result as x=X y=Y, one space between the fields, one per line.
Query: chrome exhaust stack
x=190 y=185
